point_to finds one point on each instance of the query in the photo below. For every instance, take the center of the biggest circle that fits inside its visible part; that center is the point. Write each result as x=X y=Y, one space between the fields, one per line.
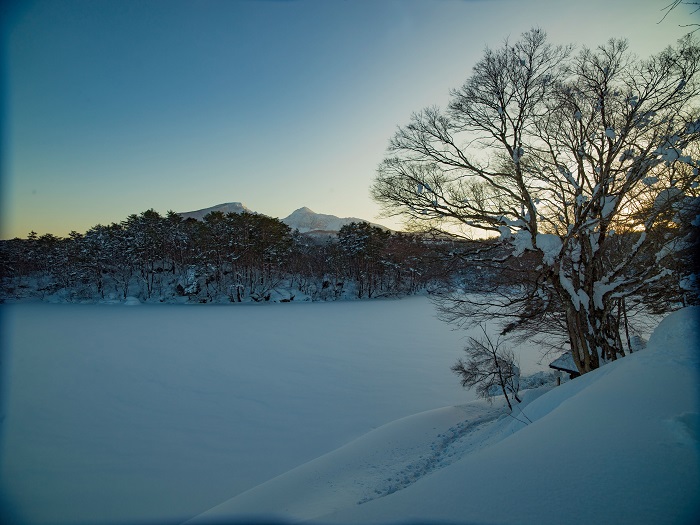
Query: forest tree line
x=224 y=257
x=240 y=257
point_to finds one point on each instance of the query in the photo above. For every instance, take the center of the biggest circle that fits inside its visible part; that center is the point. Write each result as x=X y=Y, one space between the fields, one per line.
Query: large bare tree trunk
x=592 y=335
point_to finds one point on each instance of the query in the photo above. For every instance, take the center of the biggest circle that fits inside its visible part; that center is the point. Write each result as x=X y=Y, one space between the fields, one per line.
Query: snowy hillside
x=228 y=207
x=306 y=220
x=619 y=445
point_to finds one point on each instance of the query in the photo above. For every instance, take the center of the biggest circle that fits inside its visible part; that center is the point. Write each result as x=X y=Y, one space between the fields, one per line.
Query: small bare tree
x=490 y=366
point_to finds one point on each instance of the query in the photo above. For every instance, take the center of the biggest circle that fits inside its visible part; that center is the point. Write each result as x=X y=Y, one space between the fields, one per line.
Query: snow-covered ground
x=337 y=412
x=619 y=445
x=116 y=412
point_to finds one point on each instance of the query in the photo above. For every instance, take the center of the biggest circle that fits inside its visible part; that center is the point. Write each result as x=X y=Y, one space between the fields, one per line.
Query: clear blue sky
x=116 y=106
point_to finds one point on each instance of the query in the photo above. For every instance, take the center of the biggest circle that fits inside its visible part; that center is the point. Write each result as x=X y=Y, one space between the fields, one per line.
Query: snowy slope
x=619 y=445
x=228 y=207
x=306 y=220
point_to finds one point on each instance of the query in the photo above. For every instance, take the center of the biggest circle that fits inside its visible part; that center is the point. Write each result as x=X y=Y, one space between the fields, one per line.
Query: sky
x=113 y=107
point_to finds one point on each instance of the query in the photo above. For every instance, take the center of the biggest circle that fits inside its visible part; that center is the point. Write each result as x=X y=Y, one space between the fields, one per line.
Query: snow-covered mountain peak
x=227 y=207
x=306 y=220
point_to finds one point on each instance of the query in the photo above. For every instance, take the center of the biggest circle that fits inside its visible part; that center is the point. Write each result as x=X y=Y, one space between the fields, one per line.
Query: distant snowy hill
x=227 y=207
x=306 y=220
x=303 y=219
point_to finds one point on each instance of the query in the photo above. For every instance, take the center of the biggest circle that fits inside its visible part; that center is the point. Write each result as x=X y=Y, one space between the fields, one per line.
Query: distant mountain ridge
x=227 y=207
x=304 y=219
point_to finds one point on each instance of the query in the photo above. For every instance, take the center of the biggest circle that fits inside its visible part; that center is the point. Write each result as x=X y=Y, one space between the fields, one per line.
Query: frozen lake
x=116 y=412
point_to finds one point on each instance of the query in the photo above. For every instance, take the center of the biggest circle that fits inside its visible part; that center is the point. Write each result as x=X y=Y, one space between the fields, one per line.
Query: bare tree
x=569 y=158
x=490 y=366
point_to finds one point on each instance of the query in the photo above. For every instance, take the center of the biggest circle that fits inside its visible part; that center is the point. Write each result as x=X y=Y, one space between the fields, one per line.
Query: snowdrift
x=619 y=445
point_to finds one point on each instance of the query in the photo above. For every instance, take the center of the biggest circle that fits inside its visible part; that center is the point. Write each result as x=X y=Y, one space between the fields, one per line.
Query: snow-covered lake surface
x=117 y=412
x=338 y=412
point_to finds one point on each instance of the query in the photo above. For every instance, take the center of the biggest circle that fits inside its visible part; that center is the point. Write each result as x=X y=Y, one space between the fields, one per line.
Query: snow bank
x=379 y=463
x=619 y=445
